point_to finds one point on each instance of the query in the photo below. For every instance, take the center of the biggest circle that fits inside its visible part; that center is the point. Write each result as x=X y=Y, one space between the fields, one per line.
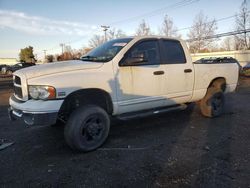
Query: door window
x=147 y=50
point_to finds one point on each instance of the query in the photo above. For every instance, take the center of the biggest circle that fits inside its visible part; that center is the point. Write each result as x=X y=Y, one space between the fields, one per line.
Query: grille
x=18 y=87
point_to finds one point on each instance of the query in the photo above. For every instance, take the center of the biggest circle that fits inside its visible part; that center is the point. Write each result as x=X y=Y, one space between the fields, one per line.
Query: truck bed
x=210 y=68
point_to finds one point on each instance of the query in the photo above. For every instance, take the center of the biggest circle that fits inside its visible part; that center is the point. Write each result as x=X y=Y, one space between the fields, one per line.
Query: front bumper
x=34 y=112
x=40 y=119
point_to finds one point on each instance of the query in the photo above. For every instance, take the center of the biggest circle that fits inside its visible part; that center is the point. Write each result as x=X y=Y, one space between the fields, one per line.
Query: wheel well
x=84 y=97
x=221 y=81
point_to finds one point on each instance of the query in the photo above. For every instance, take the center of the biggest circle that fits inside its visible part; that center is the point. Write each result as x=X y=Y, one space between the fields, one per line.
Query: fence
x=8 y=61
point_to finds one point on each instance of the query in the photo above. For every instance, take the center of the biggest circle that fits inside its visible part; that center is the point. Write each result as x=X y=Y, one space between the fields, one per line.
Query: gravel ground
x=177 y=149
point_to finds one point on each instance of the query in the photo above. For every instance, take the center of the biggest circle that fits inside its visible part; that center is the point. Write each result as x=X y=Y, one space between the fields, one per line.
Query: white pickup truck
x=125 y=77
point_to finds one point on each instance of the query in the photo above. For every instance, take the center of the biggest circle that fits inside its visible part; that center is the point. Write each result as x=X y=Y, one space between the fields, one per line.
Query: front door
x=141 y=84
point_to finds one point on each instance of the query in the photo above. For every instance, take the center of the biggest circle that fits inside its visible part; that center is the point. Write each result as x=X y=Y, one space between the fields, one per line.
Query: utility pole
x=44 y=51
x=62 y=45
x=105 y=28
x=35 y=58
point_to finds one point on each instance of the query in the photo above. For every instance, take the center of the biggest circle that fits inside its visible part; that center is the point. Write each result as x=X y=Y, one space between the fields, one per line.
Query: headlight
x=42 y=92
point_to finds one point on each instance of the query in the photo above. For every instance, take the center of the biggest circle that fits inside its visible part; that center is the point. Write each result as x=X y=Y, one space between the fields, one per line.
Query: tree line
x=201 y=28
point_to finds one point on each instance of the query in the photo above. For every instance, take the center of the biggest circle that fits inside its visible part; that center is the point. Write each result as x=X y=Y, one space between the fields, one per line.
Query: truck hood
x=57 y=67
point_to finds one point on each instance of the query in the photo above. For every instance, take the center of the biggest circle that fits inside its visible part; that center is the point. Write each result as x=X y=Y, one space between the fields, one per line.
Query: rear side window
x=173 y=52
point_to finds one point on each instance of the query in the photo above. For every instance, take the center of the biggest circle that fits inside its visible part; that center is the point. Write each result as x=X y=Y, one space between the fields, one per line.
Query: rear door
x=179 y=71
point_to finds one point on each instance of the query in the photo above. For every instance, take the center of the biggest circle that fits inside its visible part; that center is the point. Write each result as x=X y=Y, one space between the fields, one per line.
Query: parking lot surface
x=177 y=149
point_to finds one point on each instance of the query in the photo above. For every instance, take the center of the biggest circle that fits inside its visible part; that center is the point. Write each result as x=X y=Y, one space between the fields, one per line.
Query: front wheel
x=87 y=128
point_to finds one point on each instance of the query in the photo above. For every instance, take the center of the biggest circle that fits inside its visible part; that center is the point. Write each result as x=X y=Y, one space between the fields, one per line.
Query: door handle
x=188 y=70
x=158 y=72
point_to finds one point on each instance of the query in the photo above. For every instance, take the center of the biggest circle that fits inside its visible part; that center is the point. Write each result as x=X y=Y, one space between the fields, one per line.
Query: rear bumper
x=39 y=119
x=231 y=88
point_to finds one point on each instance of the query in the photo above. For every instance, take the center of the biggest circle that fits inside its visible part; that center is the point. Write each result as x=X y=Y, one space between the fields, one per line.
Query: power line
x=216 y=20
x=154 y=12
x=157 y=11
x=185 y=28
x=79 y=39
x=196 y=39
x=219 y=35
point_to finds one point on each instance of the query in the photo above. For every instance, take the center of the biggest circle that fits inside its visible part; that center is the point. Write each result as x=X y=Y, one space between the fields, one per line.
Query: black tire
x=87 y=128
x=59 y=123
x=212 y=105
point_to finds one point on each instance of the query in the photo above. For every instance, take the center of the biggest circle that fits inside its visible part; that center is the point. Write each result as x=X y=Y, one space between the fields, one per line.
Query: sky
x=44 y=24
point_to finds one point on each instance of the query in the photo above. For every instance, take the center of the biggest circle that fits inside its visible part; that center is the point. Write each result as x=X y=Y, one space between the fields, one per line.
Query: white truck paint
x=131 y=87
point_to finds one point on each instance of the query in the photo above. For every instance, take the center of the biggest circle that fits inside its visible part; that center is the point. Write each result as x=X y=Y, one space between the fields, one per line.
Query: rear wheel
x=87 y=128
x=212 y=105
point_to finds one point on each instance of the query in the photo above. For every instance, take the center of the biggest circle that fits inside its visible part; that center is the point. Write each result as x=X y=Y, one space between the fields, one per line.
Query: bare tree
x=97 y=40
x=227 y=43
x=114 y=33
x=143 y=29
x=168 y=29
x=201 y=29
x=67 y=48
x=85 y=50
x=242 y=23
x=50 y=58
x=68 y=54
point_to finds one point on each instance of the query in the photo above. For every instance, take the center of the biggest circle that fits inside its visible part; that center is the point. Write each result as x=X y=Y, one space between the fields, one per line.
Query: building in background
x=8 y=61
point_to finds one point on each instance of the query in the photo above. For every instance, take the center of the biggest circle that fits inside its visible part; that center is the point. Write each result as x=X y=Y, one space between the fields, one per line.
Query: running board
x=145 y=113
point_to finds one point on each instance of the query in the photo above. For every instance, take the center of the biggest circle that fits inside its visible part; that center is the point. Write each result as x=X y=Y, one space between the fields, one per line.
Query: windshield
x=18 y=65
x=106 y=51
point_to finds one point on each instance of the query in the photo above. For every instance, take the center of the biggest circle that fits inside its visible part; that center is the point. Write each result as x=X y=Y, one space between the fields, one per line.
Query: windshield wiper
x=88 y=57
x=95 y=59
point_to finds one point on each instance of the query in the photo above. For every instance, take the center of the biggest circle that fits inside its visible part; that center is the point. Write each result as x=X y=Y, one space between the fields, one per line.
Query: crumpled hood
x=57 y=67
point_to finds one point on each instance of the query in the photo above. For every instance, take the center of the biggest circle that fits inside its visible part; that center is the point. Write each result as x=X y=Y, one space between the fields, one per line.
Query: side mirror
x=135 y=59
